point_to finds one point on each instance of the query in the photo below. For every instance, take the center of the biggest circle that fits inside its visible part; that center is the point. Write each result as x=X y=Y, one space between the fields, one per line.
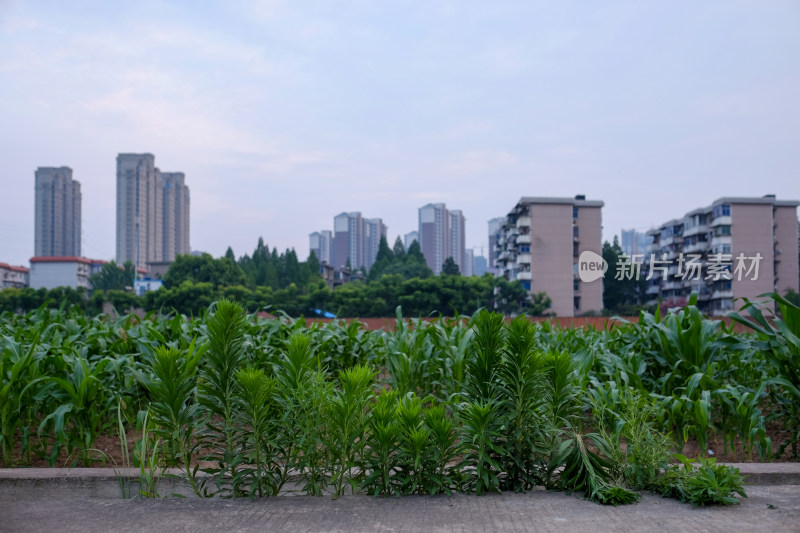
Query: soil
x=107 y=452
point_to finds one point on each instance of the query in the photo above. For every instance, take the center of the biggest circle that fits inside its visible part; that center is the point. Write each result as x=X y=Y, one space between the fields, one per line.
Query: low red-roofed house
x=13 y=276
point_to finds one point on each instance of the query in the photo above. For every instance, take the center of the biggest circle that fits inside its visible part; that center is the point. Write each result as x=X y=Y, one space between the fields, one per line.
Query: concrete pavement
x=769 y=508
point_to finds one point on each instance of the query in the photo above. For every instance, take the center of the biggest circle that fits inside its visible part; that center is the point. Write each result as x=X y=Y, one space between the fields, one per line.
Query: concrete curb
x=106 y=483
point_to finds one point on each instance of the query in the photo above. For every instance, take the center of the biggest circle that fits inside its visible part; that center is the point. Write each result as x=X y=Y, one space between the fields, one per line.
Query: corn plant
x=18 y=368
x=779 y=341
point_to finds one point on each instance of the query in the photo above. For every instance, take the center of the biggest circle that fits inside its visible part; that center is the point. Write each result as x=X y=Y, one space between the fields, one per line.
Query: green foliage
x=622 y=295
x=450 y=268
x=702 y=482
x=203 y=269
x=113 y=277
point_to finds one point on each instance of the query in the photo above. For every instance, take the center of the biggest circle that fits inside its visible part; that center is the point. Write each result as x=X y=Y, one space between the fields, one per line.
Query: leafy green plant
x=173 y=409
x=779 y=341
x=480 y=432
x=380 y=454
x=702 y=482
x=217 y=393
x=347 y=421
x=256 y=412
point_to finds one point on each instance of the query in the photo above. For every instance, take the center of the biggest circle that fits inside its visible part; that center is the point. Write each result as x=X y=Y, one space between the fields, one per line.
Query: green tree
x=399 y=250
x=540 y=303
x=622 y=296
x=450 y=268
x=112 y=277
x=203 y=269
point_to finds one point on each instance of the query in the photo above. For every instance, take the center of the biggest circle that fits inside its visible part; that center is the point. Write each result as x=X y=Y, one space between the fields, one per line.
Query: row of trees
x=279 y=282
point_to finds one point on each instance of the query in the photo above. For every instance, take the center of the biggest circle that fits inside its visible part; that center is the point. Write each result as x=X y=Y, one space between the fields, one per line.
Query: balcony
x=722 y=293
x=701 y=246
x=523 y=276
x=721 y=239
x=653 y=289
x=695 y=230
x=523 y=239
x=524 y=222
x=721 y=221
x=524 y=259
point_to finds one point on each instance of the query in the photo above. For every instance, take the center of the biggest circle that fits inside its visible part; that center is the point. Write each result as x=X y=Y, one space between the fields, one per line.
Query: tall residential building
x=175 y=217
x=539 y=243
x=410 y=237
x=152 y=211
x=441 y=235
x=479 y=267
x=57 y=225
x=320 y=242
x=356 y=239
x=469 y=258
x=374 y=229
x=139 y=219
x=495 y=225
x=633 y=242
x=734 y=248
x=456 y=244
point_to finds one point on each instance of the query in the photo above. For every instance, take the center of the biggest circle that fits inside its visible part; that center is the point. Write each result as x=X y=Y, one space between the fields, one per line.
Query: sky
x=284 y=114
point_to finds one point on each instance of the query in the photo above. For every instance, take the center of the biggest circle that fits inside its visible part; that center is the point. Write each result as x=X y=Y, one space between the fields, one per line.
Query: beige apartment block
x=746 y=247
x=57 y=225
x=539 y=242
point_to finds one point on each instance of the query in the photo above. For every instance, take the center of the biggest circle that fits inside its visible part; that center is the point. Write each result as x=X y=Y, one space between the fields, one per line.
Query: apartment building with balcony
x=539 y=242
x=734 y=248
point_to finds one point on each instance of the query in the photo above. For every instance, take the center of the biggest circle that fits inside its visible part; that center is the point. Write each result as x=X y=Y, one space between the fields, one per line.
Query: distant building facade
x=57 y=226
x=13 y=277
x=735 y=248
x=469 y=257
x=67 y=271
x=633 y=242
x=152 y=212
x=409 y=238
x=175 y=216
x=356 y=240
x=539 y=243
x=480 y=266
x=495 y=226
x=320 y=242
x=441 y=235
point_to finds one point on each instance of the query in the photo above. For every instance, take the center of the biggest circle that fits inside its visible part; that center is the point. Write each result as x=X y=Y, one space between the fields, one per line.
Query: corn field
x=243 y=405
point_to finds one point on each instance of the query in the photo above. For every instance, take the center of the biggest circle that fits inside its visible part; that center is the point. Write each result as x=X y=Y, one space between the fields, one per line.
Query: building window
x=574 y=212
x=575 y=252
x=526 y=284
x=722 y=210
x=577 y=303
x=576 y=285
x=575 y=232
x=524 y=249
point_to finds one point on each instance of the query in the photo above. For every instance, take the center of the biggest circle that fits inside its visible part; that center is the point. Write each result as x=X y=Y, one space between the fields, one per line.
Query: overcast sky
x=284 y=114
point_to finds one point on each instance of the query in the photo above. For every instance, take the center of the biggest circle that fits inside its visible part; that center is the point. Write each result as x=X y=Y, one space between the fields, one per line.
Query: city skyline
x=279 y=111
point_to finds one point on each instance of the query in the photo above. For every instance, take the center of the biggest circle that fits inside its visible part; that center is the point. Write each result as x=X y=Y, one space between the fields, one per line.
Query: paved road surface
x=769 y=508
